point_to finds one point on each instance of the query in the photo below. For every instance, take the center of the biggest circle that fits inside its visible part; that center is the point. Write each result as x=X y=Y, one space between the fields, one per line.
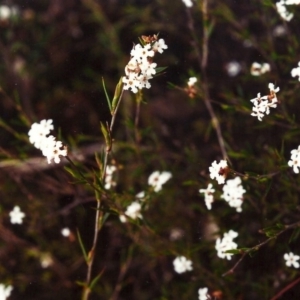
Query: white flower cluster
x=292 y=260
x=157 y=179
x=182 y=264
x=262 y=104
x=295 y=160
x=38 y=136
x=281 y=8
x=258 y=69
x=203 y=294
x=296 y=71
x=16 y=216
x=218 y=171
x=140 y=67
x=187 y=3
x=227 y=243
x=109 y=177
x=133 y=211
x=233 y=193
x=208 y=195
x=5 y=291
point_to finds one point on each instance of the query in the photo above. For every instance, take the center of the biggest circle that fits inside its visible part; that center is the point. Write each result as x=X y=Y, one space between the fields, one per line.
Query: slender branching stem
x=285 y=289
x=98 y=217
x=257 y=247
x=202 y=61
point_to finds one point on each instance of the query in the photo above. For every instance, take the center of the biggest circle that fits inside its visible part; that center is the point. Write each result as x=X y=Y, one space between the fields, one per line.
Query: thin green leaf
x=96 y=279
x=117 y=95
x=106 y=94
x=82 y=246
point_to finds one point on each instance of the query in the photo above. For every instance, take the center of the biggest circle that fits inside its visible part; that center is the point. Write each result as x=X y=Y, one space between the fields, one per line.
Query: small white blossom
x=203 y=294
x=281 y=9
x=5 y=291
x=65 y=232
x=218 y=171
x=157 y=179
x=141 y=196
x=16 y=215
x=46 y=260
x=233 y=193
x=296 y=71
x=187 y=3
x=208 y=195
x=182 y=264
x=222 y=245
x=53 y=151
x=39 y=131
x=272 y=88
x=159 y=46
x=176 y=234
x=294 y=162
x=133 y=211
x=233 y=68
x=258 y=69
x=292 y=260
x=7 y=12
x=192 y=81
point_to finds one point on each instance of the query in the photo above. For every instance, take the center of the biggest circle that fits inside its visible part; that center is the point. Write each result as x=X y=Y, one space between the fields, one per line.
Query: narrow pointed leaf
x=106 y=94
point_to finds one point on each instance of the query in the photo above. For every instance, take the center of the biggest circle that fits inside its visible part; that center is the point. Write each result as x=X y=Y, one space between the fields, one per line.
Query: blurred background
x=53 y=56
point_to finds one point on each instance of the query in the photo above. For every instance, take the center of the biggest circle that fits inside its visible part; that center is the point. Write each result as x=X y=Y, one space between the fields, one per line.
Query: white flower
x=222 y=245
x=208 y=195
x=133 y=211
x=39 y=131
x=181 y=264
x=141 y=196
x=203 y=294
x=5 y=291
x=159 y=46
x=233 y=68
x=46 y=260
x=187 y=3
x=291 y=260
x=294 y=162
x=258 y=69
x=176 y=234
x=218 y=171
x=16 y=215
x=281 y=8
x=296 y=71
x=279 y=31
x=157 y=179
x=53 y=150
x=110 y=169
x=272 y=88
x=192 y=81
x=233 y=193
x=7 y=12
x=65 y=232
